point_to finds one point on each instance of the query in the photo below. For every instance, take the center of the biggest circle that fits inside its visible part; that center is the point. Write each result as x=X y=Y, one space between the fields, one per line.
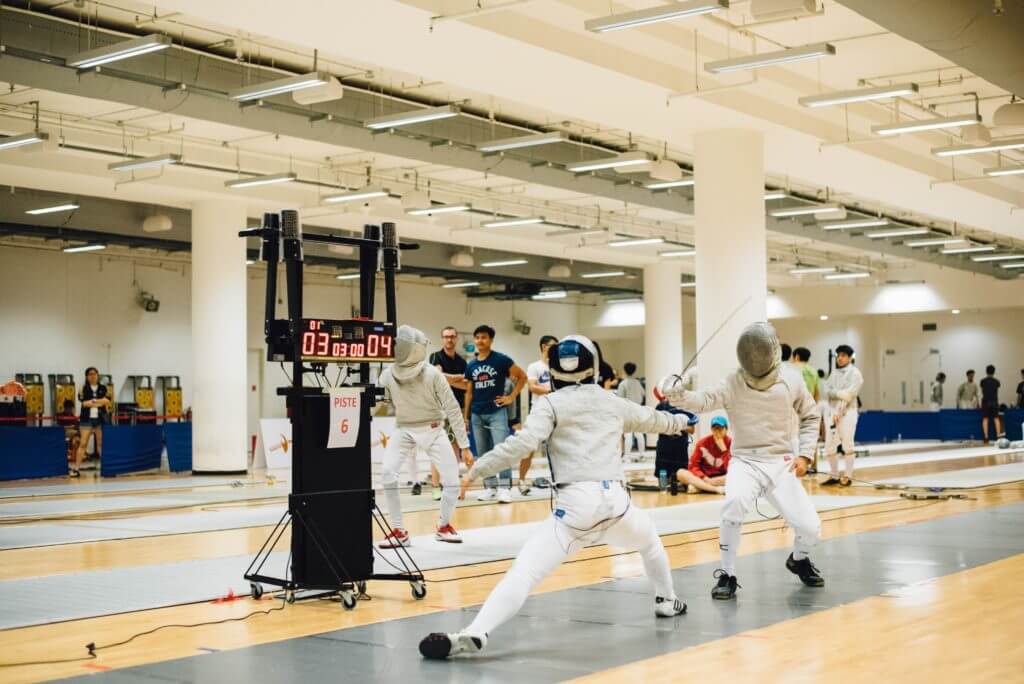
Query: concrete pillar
x=218 y=337
x=663 y=323
x=731 y=259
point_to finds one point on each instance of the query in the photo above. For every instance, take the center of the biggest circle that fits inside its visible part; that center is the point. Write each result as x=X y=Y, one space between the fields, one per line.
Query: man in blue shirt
x=485 y=405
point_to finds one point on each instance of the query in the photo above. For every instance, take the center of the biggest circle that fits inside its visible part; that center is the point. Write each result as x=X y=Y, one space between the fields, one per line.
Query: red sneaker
x=448 y=534
x=397 y=539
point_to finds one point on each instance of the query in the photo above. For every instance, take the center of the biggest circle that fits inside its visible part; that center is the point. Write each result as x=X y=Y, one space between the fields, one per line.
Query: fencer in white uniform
x=581 y=423
x=841 y=390
x=761 y=398
x=422 y=401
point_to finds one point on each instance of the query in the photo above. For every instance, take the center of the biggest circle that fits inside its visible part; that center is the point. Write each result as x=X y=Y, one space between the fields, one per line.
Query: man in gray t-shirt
x=632 y=390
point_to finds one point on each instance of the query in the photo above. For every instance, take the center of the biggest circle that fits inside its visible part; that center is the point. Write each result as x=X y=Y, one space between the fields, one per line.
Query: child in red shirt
x=710 y=460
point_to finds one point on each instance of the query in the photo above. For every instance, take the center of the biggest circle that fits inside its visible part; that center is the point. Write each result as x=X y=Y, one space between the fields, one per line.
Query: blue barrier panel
x=130 y=448
x=1012 y=424
x=178 y=437
x=873 y=426
x=32 y=452
x=957 y=425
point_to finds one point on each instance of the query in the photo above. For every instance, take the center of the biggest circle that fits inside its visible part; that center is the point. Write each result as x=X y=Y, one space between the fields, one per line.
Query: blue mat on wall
x=32 y=452
x=178 y=438
x=131 y=448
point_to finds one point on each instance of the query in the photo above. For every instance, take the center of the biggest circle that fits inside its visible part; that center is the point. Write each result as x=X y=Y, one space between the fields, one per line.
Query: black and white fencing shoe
x=438 y=646
x=726 y=587
x=805 y=570
x=664 y=607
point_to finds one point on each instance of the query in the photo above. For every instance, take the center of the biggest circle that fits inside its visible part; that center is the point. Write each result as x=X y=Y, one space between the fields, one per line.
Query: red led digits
x=308 y=343
x=323 y=341
x=385 y=342
x=373 y=345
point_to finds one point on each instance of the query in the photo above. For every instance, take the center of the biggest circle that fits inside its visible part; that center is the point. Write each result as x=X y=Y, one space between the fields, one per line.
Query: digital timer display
x=348 y=341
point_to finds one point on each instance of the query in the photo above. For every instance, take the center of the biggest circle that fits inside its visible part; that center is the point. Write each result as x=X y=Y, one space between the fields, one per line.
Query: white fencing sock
x=729 y=543
x=394 y=503
x=849 y=462
x=833 y=465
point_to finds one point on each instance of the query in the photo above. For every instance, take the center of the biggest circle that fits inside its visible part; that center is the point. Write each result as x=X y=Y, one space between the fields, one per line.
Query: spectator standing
x=95 y=406
x=967 y=395
x=710 y=460
x=538 y=379
x=801 y=355
x=631 y=389
x=990 y=402
x=1020 y=390
x=453 y=367
x=842 y=390
x=485 y=403
x=937 y=384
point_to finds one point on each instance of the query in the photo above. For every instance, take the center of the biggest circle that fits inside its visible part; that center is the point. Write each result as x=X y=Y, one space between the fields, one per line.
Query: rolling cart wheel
x=348 y=600
x=419 y=590
x=256 y=590
x=289 y=596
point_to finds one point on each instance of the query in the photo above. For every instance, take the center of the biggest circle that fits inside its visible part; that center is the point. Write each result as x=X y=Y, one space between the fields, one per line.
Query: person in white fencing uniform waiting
x=761 y=398
x=581 y=423
x=841 y=390
x=422 y=400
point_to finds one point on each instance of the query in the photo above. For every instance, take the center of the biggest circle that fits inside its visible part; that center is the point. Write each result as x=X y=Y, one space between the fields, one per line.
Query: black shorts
x=989 y=410
x=91 y=422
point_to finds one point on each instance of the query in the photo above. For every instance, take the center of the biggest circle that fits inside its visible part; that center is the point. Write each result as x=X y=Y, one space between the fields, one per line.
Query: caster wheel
x=256 y=590
x=348 y=600
x=419 y=590
x=289 y=596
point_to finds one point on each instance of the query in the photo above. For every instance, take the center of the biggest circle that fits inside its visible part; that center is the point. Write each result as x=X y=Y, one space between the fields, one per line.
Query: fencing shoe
x=396 y=539
x=726 y=587
x=664 y=607
x=831 y=481
x=805 y=570
x=438 y=646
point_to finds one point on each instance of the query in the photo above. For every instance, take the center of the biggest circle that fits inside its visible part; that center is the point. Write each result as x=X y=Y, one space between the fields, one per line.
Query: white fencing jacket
x=761 y=421
x=842 y=387
x=582 y=425
x=425 y=399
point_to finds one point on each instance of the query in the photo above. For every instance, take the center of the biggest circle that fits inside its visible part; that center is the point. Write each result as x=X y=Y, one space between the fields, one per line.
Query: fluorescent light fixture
x=84 y=248
x=807 y=209
x=765 y=59
x=522 y=141
x=927 y=124
x=847 y=276
x=689 y=251
x=823 y=317
x=855 y=223
x=469 y=283
x=807 y=270
x=11 y=141
x=636 y=242
x=664 y=185
x=1019 y=264
x=858 y=95
x=897 y=232
x=576 y=232
x=553 y=294
x=260 y=180
x=1005 y=171
x=279 y=86
x=118 y=51
x=973 y=249
x=439 y=209
x=997 y=257
x=508 y=223
x=507 y=262
x=67 y=206
x=994 y=146
x=145 y=162
x=653 y=15
x=775 y=194
x=414 y=117
x=935 y=242
x=955 y=311
x=346 y=276
x=688 y=284
x=624 y=300
x=634 y=158
x=366 y=193
x=603 y=274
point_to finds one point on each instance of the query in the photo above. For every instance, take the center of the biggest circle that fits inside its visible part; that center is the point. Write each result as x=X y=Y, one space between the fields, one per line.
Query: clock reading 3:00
x=347 y=340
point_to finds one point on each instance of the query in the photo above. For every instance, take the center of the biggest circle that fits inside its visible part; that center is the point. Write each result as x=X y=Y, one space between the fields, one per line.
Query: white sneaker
x=669 y=607
x=447 y=534
x=438 y=646
x=397 y=538
x=504 y=495
x=487 y=495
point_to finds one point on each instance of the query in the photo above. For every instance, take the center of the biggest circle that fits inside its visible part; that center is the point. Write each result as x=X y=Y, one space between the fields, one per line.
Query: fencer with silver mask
x=761 y=398
x=581 y=424
x=422 y=402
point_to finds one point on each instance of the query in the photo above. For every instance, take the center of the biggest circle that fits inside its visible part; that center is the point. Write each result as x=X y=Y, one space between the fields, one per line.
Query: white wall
x=60 y=313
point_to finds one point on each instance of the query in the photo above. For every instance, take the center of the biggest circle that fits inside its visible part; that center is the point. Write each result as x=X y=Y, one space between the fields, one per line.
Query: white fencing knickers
x=578 y=508
x=842 y=434
x=433 y=440
x=745 y=482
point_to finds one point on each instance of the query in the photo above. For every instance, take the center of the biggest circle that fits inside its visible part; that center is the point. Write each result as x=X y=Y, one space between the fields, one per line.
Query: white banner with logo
x=274 y=446
x=344 y=430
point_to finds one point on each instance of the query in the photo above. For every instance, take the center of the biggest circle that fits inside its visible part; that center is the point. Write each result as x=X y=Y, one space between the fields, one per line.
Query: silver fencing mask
x=410 y=353
x=759 y=354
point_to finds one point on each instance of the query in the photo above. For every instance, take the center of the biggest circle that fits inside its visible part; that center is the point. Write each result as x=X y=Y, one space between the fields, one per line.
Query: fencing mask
x=759 y=354
x=410 y=353
x=572 y=361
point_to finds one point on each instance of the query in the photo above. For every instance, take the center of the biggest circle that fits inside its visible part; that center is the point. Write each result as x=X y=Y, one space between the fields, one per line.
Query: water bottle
x=662 y=480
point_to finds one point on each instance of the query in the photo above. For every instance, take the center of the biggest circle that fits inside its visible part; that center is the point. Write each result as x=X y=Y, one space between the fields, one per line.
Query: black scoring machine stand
x=332 y=503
